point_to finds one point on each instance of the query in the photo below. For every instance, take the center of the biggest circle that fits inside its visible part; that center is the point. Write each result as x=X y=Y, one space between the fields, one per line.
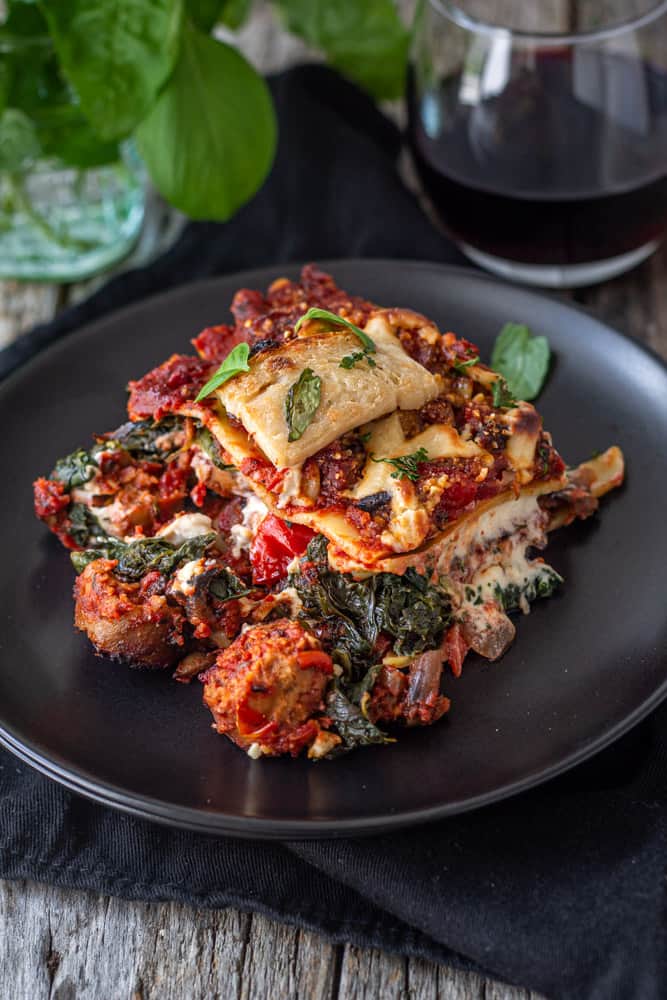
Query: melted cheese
x=242 y=534
x=525 y=425
x=184 y=527
x=348 y=397
x=387 y=440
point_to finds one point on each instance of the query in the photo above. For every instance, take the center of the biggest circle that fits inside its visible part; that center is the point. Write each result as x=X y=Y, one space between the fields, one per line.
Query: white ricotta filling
x=242 y=534
x=184 y=527
x=291 y=489
x=183 y=581
x=518 y=571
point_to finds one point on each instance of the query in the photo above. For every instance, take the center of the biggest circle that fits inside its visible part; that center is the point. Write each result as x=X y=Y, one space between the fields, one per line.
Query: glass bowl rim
x=451 y=10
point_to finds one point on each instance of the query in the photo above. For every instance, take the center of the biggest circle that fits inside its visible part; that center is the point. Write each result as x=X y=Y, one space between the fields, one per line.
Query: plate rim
x=216 y=823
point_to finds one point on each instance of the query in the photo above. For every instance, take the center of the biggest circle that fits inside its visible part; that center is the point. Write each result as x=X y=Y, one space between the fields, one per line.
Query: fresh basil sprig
x=235 y=363
x=302 y=402
x=406 y=466
x=522 y=358
x=102 y=71
x=332 y=319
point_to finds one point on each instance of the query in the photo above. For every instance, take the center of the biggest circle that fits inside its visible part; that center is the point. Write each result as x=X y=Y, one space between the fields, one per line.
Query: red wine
x=567 y=165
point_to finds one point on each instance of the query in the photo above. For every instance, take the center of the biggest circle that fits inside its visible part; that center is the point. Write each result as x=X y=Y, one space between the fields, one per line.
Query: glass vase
x=71 y=203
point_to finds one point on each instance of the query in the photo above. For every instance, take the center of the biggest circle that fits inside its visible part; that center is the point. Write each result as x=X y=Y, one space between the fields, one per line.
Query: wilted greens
x=137 y=558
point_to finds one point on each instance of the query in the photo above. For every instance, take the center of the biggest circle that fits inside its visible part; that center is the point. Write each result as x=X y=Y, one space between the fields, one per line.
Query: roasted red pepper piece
x=276 y=543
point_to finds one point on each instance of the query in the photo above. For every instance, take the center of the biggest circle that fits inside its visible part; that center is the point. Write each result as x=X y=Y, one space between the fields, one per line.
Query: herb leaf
x=235 y=363
x=501 y=393
x=302 y=402
x=19 y=144
x=350 y=360
x=332 y=319
x=117 y=56
x=461 y=366
x=365 y=41
x=234 y=13
x=210 y=138
x=406 y=465
x=522 y=358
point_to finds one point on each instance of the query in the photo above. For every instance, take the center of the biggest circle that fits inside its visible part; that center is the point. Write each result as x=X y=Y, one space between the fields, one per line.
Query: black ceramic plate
x=587 y=664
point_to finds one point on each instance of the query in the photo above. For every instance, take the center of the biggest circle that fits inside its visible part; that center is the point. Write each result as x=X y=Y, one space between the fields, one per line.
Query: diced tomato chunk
x=50 y=497
x=274 y=546
x=316 y=659
x=250 y=722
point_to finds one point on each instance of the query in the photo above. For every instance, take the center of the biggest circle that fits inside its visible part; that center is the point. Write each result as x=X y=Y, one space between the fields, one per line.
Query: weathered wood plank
x=367 y=974
x=282 y=961
x=22 y=305
x=456 y=985
x=63 y=945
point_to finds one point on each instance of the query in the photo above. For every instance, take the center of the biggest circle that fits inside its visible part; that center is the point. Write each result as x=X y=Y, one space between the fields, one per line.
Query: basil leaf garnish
x=332 y=319
x=522 y=358
x=302 y=402
x=235 y=363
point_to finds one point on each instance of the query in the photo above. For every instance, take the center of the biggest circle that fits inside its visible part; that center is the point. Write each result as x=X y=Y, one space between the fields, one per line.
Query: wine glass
x=540 y=132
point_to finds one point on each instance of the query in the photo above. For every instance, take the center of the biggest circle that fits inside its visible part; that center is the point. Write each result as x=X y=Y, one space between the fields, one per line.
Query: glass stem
x=22 y=202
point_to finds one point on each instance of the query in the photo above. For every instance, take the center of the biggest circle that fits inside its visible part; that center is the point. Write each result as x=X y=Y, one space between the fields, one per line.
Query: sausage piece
x=125 y=620
x=266 y=688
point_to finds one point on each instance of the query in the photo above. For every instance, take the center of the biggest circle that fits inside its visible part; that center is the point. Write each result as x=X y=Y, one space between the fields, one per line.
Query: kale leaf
x=409 y=608
x=350 y=723
x=511 y=597
x=226 y=586
x=139 y=438
x=208 y=444
x=135 y=559
x=144 y=438
x=84 y=527
x=74 y=470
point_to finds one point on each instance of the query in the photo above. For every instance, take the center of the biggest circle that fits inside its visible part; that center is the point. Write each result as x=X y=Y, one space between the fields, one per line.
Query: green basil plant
x=78 y=77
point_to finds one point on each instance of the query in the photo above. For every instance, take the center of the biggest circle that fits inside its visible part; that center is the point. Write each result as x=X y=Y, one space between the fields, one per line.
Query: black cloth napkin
x=561 y=889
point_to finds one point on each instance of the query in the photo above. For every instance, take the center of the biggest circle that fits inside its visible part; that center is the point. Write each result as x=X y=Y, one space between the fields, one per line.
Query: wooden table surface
x=67 y=945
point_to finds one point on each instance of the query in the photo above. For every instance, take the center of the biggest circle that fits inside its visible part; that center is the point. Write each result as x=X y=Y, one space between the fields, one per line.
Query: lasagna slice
x=403 y=443
x=316 y=573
